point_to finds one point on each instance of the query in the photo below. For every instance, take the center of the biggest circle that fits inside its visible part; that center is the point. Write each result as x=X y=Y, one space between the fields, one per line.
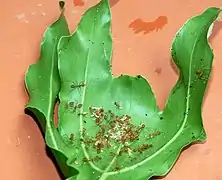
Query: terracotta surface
x=23 y=22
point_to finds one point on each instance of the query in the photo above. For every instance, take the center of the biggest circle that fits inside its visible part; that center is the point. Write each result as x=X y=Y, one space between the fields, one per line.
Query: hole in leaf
x=56 y=114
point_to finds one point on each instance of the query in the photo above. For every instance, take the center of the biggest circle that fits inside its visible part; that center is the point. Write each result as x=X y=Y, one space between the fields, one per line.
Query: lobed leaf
x=110 y=127
x=113 y=125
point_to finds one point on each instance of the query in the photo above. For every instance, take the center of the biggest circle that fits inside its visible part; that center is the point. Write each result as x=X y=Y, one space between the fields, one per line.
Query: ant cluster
x=114 y=129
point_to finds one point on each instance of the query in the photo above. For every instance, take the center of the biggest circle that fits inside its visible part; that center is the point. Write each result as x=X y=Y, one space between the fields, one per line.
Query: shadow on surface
x=216 y=29
x=48 y=150
x=184 y=149
x=113 y=2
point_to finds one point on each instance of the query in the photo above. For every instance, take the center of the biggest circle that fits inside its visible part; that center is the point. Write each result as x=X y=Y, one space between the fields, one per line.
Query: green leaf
x=112 y=125
x=43 y=84
x=111 y=128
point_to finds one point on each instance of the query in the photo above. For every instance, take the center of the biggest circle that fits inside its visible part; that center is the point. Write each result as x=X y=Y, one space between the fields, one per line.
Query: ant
x=84 y=132
x=143 y=147
x=76 y=85
x=69 y=105
x=98 y=121
x=103 y=128
x=117 y=168
x=71 y=137
x=82 y=114
x=200 y=75
x=118 y=106
x=79 y=105
x=66 y=105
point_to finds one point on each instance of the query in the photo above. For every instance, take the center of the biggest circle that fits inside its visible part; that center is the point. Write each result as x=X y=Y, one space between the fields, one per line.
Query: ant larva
x=118 y=106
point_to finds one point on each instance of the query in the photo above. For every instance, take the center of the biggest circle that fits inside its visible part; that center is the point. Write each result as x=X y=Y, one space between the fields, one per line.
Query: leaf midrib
x=82 y=102
x=81 y=117
x=49 y=112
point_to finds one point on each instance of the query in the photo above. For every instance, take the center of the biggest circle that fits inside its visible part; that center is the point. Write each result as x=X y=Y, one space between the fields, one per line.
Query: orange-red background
x=22 y=155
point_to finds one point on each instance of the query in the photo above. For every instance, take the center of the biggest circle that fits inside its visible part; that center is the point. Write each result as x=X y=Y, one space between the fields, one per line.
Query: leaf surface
x=113 y=125
x=43 y=84
x=110 y=127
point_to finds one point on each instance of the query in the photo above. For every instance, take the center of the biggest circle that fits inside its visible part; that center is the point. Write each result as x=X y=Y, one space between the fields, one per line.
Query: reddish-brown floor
x=22 y=155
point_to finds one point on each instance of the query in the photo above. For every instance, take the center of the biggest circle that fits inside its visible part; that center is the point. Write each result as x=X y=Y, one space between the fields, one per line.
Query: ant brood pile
x=113 y=130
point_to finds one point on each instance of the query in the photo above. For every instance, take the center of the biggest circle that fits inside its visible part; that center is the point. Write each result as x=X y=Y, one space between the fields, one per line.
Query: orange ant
x=97 y=158
x=66 y=105
x=200 y=74
x=71 y=137
x=118 y=106
x=144 y=147
x=117 y=168
x=103 y=128
x=76 y=85
x=74 y=108
x=150 y=136
x=85 y=160
x=98 y=121
x=84 y=132
x=157 y=133
x=82 y=114
x=79 y=105
x=105 y=117
x=69 y=105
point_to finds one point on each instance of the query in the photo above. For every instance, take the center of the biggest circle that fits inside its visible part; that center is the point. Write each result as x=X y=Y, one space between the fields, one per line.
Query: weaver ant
x=71 y=137
x=117 y=168
x=200 y=72
x=82 y=114
x=69 y=105
x=76 y=85
x=118 y=106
